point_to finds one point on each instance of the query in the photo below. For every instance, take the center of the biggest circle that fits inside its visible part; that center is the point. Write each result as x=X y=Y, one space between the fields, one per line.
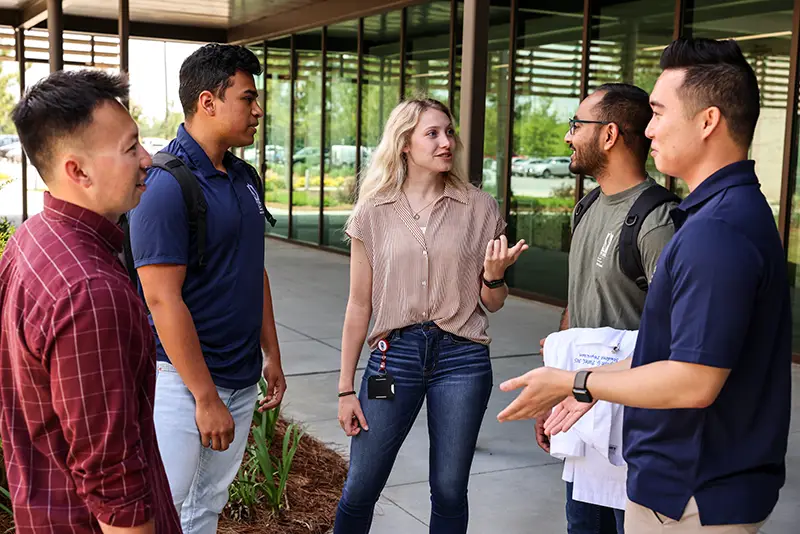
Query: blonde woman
x=426 y=251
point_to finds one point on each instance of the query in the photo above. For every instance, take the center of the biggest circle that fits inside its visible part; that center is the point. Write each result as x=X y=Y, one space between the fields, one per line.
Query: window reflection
x=546 y=95
x=276 y=153
x=340 y=134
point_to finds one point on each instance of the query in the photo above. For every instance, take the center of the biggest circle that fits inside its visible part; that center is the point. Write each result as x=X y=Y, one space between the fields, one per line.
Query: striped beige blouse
x=431 y=276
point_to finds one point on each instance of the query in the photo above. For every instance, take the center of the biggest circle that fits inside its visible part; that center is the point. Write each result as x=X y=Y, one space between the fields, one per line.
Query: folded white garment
x=592 y=448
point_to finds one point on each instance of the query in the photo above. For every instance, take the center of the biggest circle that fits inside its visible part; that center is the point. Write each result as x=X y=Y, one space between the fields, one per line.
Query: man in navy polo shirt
x=212 y=323
x=708 y=388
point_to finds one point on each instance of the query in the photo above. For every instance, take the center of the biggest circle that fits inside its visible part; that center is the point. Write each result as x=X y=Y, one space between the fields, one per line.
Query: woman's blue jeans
x=455 y=375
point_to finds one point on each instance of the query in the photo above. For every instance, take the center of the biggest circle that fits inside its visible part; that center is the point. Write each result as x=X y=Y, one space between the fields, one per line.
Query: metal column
x=55 y=34
x=19 y=41
x=124 y=33
x=791 y=138
x=475 y=47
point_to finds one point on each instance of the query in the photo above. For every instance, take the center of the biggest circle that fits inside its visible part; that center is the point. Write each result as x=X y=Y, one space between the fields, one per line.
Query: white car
x=551 y=167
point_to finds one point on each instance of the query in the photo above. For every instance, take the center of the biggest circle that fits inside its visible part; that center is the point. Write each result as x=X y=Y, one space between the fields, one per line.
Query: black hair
x=60 y=105
x=210 y=68
x=628 y=107
x=717 y=74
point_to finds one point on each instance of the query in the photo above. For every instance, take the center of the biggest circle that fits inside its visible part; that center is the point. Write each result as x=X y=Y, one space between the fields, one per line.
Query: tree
x=538 y=132
x=7 y=102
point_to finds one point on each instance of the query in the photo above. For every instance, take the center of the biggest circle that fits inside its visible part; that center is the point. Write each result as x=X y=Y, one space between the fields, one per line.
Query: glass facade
x=325 y=122
x=277 y=118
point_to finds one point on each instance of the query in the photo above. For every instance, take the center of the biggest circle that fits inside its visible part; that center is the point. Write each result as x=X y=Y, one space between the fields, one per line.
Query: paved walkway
x=515 y=488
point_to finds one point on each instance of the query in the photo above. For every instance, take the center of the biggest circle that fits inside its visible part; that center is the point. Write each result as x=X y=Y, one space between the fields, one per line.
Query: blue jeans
x=586 y=518
x=455 y=375
x=198 y=476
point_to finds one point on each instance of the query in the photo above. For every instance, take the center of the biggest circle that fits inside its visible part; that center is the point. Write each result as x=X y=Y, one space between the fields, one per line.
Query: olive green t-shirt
x=599 y=292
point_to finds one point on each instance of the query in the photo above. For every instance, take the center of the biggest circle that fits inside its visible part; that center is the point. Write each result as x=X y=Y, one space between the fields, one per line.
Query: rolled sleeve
x=93 y=360
x=715 y=275
x=159 y=224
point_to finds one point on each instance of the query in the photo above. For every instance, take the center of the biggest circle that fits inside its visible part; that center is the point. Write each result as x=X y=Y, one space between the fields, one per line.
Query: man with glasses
x=607 y=138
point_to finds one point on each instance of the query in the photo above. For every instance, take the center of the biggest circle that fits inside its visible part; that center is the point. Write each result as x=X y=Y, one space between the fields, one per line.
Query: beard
x=589 y=161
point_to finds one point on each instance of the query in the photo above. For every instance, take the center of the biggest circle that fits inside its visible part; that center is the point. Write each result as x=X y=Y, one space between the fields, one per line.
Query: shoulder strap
x=630 y=258
x=127 y=253
x=583 y=205
x=193 y=197
x=256 y=179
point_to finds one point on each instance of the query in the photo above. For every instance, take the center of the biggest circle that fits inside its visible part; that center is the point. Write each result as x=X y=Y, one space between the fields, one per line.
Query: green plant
x=5 y=496
x=262 y=474
x=245 y=491
x=6 y=231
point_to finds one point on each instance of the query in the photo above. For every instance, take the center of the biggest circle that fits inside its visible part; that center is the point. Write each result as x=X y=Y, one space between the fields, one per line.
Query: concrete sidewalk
x=515 y=488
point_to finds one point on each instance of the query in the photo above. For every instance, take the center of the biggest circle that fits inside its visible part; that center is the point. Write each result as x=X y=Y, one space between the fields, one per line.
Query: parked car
x=14 y=146
x=526 y=167
x=154 y=144
x=7 y=139
x=551 y=167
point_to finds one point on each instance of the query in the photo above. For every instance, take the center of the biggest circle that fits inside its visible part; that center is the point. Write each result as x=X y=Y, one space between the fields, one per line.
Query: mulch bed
x=6 y=523
x=313 y=491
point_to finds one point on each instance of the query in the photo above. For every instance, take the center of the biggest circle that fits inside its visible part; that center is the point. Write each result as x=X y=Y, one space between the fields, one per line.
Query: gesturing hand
x=499 y=257
x=565 y=414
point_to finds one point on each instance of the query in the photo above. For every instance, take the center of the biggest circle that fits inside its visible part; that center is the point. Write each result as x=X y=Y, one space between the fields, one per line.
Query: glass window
x=340 y=134
x=308 y=152
x=495 y=125
x=546 y=95
x=381 y=76
x=250 y=153
x=763 y=29
x=428 y=51
x=627 y=41
x=277 y=177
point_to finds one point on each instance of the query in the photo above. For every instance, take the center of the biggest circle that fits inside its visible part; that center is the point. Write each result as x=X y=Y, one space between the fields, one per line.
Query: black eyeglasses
x=573 y=122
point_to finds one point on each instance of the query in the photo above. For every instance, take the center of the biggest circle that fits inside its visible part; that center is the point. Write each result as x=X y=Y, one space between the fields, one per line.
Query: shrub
x=262 y=474
x=6 y=231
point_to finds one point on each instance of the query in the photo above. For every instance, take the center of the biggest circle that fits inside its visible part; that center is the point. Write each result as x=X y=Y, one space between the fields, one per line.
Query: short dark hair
x=628 y=107
x=59 y=105
x=210 y=68
x=717 y=74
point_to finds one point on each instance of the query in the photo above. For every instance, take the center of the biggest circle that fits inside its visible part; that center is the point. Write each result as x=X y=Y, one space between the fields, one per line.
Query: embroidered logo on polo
x=601 y=258
x=255 y=197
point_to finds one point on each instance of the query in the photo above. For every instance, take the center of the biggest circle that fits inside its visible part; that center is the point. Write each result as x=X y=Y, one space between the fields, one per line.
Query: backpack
x=630 y=257
x=196 y=206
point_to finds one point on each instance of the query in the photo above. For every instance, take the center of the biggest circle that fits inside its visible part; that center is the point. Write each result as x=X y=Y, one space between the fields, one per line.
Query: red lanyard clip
x=383 y=346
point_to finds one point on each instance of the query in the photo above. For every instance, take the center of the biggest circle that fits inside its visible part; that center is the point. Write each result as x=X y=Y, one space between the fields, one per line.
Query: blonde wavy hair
x=388 y=168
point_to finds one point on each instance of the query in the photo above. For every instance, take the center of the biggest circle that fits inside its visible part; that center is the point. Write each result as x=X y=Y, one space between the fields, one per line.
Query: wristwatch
x=579 y=390
x=493 y=284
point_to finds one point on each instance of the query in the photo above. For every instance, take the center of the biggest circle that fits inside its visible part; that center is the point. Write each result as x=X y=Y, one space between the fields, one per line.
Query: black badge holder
x=381 y=386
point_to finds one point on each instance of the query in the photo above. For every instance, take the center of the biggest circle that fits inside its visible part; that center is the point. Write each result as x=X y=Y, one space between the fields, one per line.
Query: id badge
x=380 y=387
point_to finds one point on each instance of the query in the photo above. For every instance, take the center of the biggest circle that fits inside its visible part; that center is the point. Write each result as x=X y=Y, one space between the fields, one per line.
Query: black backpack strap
x=583 y=205
x=127 y=253
x=256 y=179
x=193 y=198
x=630 y=257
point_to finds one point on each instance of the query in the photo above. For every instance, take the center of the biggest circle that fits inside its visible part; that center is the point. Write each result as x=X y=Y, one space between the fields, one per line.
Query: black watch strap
x=579 y=389
x=493 y=284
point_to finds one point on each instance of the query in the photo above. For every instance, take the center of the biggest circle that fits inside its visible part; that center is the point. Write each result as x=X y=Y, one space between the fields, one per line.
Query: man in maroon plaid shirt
x=77 y=355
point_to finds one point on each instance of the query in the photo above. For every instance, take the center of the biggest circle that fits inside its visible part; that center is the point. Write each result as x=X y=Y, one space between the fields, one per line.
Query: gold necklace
x=416 y=215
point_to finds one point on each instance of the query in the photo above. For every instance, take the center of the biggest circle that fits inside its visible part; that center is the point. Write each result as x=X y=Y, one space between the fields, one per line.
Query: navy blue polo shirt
x=226 y=297
x=720 y=298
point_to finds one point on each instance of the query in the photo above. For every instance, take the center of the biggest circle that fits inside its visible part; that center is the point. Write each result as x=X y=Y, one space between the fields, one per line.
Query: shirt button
x=424 y=314
x=424 y=252
x=424 y=283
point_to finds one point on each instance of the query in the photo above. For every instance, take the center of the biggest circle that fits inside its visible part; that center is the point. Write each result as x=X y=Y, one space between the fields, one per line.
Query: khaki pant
x=641 y=520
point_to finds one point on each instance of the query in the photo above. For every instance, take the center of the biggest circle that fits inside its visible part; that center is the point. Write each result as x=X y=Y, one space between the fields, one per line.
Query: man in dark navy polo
x=212 y=322
x=708 y=389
